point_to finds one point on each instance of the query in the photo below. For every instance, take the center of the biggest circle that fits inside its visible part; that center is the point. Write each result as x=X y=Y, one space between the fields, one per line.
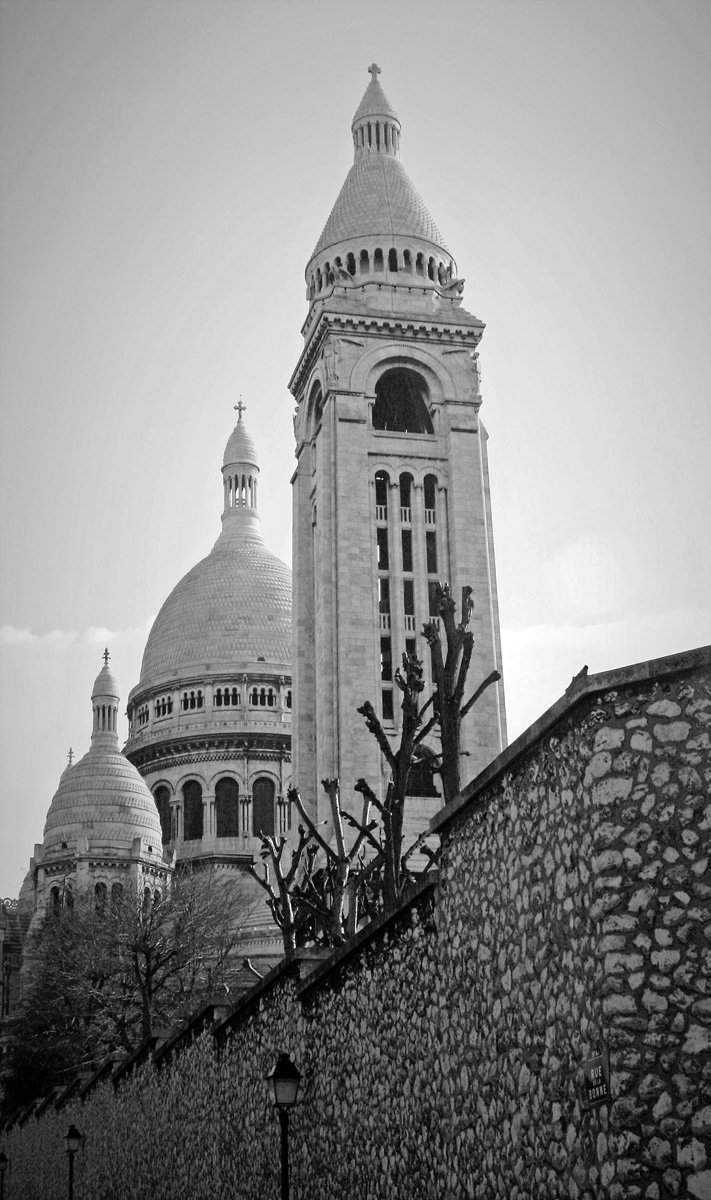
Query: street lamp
x=4 y=1160
x=73 y=1140
x=285 y=1079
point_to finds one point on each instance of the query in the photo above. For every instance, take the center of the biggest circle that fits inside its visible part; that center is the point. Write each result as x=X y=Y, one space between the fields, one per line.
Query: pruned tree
x=315 y=897
x=450 y=667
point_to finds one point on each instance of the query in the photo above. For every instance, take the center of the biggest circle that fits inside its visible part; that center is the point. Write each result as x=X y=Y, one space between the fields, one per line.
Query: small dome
x=104 y=798
x=240 y=448
x=106 y=685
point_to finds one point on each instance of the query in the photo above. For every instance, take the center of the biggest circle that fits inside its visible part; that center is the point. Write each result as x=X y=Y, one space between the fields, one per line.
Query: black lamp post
x=73 y=1140
x=285 y=1079
x=4 y=1160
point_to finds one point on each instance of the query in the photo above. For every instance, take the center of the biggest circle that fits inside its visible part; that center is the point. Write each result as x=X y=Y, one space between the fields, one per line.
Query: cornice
x=405 y=329
x=183 y=751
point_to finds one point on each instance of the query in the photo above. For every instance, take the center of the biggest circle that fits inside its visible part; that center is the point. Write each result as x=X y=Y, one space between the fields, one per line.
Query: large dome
x=232 y=609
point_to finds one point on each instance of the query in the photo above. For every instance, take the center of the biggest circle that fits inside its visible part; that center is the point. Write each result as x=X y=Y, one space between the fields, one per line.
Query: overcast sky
x=167 y=167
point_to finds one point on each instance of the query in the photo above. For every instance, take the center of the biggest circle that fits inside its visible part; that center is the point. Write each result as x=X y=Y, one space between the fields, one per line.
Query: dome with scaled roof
x=378 y=199
x=233 y=609
x=102 y=798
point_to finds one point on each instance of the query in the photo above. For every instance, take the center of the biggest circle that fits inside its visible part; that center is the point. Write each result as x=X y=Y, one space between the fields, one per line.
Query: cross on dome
x=239 y=409
x=70 y=756
x=107 y=656
x=374 y=71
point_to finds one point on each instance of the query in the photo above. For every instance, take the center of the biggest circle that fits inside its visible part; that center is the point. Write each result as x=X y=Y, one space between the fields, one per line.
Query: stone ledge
x=353 y=947
x=581 y=688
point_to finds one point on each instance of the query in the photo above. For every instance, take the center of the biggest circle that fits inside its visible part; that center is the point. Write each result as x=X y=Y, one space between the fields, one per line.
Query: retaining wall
x=442 y=1052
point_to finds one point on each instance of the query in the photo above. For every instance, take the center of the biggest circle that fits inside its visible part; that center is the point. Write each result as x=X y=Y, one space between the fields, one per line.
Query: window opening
x=263 y=793
x=192 y=811
x=401 y=403
x=227 y=808
x=407 y=550
x=383 y=557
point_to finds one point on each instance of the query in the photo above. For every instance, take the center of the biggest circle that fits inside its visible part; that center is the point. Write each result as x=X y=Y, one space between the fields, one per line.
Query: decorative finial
x=107 y=656
x=374 y=71
x=70 y=756
x=239 y=409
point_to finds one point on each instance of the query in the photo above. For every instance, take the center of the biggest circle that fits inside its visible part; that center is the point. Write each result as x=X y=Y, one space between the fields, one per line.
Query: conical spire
x=376 y=126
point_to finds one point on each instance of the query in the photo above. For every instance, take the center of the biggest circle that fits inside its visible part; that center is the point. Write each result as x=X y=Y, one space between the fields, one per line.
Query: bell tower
x=391 y=490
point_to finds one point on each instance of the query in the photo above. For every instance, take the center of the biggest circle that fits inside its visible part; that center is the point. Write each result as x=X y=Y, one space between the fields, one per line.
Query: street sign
x=596 y=1082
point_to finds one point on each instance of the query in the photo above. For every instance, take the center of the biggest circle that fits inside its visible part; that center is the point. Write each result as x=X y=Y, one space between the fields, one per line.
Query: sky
x=166 y=167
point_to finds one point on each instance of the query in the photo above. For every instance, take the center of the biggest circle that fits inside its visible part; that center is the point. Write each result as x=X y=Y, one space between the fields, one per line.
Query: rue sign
x=596 y=1082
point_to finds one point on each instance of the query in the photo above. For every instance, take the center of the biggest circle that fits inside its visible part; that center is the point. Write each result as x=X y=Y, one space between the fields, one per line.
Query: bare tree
x=104 y=979
x=315 y=897
x=449 y=675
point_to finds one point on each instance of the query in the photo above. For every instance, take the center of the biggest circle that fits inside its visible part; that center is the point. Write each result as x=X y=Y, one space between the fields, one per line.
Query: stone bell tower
x=391 y=490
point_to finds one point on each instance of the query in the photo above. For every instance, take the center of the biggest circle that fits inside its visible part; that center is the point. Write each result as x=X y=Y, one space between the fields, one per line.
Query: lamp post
x=73 y=1140
x=285 y=1079
x=4 y=1160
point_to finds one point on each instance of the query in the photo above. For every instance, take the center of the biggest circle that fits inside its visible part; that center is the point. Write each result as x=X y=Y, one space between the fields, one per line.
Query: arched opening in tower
x=401 y=403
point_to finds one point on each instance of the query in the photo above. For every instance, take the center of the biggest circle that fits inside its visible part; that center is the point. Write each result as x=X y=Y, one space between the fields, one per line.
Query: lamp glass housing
x=285 y=1079
x=73 y=1139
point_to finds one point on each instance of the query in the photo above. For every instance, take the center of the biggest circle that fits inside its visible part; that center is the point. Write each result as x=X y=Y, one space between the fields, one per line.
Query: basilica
x=245 y=671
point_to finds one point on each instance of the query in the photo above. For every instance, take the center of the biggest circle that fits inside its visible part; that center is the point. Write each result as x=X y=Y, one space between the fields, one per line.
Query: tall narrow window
x=408 y=591
x=383 y=556
x=431 y=545
x=378 y=260
x=227 y=808
x=100 y=898
x=192 y=811
x=411 y=647
x=407 y=550
x=364 y=262
x=381 y=495
x=430 y=500
x=392 y=260
x=386 y=660
x=263 y=793
x=162 y=798
x=432 y=595
x=387 y=699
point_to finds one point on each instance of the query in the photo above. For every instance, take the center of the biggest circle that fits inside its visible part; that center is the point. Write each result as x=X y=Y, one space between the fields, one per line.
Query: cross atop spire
x=70 y=756
x=239 y=409
x=107 y=656
x=374 y=70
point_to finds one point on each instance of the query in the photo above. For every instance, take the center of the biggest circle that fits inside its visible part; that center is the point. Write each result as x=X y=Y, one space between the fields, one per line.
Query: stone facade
x=442 y=1051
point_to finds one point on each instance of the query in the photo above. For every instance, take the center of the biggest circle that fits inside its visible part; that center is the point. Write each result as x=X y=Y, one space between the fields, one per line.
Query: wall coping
x=353 y=947
x=581 y=687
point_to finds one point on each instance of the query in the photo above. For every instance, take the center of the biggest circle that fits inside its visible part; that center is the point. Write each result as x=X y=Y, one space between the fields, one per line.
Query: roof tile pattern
x=379 y=198
x=103 y=797
x=231 y=609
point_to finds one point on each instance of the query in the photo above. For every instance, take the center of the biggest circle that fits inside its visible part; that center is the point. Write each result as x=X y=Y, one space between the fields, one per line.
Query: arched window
x=218 y=698
x=382 y=480
x=378 y=260
x=56 y=898
x=400 y=403
x=407 y=261
x=288 y=698
x=364 y=262
x=420 y=264
x=162 y=798
x=116 y=895
x=227 y=808
x=100 y=898
x=431 y=268
x=192 y=811
x=263 y=793
x=235 y=696
x=350 y=263
x=406 y=494
x=392 y=260
x=157 y=897
x=319 y=280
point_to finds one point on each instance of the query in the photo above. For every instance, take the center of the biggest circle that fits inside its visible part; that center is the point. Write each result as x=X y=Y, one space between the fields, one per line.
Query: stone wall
x=442 y=1052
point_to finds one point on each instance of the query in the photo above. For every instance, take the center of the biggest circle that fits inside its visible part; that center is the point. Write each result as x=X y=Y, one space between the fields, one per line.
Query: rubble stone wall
x=442 y=1053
